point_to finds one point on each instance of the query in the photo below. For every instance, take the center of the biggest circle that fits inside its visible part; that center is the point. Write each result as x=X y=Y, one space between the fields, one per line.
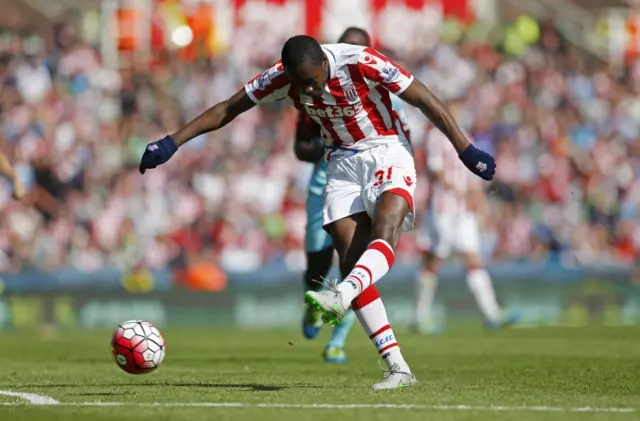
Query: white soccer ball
x=138 y=347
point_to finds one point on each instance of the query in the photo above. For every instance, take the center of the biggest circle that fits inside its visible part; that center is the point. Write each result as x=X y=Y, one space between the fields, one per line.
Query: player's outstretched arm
x=479 y=162
x=382 y=71
x=418 y=95
x=214 y=118
x=308 y=145
x=269 y=86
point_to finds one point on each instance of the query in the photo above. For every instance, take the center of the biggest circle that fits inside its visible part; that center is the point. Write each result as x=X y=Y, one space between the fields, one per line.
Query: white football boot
x=395 y=379
x=329 y=302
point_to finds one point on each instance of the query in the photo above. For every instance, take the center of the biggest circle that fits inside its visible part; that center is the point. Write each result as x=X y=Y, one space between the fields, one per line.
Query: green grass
x=552 y=367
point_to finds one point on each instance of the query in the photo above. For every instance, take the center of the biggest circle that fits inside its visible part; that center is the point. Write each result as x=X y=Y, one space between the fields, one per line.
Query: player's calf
x=373 y=317
x=426 y=286
x=480 y=285
x=390 y=213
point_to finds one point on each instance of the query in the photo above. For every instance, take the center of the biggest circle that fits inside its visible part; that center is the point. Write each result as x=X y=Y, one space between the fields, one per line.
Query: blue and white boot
x=311 y=322
x=510 y=318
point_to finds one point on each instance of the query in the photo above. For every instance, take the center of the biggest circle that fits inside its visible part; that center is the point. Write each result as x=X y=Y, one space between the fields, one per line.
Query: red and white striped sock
x=374 y=263
x=373 y=317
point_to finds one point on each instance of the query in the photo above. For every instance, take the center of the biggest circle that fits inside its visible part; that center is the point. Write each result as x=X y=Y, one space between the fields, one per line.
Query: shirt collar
x=332 y=62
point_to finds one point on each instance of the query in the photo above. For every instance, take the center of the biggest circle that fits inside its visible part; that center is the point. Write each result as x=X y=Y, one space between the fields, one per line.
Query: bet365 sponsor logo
x=333 y=111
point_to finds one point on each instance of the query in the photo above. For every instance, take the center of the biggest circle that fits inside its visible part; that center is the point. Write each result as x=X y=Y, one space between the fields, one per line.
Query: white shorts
x=356 y=181
x=443 y=234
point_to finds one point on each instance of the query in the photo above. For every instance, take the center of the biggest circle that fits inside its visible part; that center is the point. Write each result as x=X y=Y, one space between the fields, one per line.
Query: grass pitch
x=520 y=374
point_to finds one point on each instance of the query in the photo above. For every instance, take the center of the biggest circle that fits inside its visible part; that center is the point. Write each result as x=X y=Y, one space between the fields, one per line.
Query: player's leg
x=349 y=222
x=478 y=279
x=318 y=265
x=351 y=237
x=374 y=262
x=389 y=178
x=439 y=242
x=334 y=352
x=426 y=287
x=387 y=223
x=479 y=283
x=319 y=249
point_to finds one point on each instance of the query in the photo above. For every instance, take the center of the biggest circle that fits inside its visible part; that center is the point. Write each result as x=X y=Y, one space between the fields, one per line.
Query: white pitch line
x=31 y=398
x=500 y=408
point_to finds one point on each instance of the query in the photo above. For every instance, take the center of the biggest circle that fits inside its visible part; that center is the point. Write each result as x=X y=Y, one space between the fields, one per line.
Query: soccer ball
x=137 y=346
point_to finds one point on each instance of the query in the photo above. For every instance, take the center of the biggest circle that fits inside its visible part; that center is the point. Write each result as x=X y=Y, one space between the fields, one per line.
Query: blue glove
x=479 y=162
x=157 y=153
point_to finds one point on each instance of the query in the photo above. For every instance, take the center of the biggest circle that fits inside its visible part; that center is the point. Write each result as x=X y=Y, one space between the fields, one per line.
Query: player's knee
x=430 y=262
x=473 y=261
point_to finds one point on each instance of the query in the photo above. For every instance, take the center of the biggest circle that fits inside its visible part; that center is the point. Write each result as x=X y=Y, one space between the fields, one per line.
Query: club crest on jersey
x=350 y=92
x=369 y=59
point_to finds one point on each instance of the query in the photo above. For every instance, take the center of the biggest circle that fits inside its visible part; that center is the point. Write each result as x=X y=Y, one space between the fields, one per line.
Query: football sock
x=373 y=317
x=374 y=263
x=479 y=283
x=426 y=286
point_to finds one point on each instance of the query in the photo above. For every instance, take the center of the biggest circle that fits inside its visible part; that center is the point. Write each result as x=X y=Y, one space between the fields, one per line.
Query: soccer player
x=371 y=174
x=6 y=170
x=455 y=200
x=309 y=147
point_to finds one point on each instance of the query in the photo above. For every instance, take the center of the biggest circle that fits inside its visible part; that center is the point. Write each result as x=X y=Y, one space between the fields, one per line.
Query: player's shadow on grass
x=251 y=386
x=99 y=394
x=254 y=387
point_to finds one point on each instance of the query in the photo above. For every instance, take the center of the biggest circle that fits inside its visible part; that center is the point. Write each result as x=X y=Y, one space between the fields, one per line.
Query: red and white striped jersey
x=448 y=195
x=355 y=108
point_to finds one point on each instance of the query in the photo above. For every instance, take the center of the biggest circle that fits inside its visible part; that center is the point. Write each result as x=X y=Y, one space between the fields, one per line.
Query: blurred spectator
x=563 y=130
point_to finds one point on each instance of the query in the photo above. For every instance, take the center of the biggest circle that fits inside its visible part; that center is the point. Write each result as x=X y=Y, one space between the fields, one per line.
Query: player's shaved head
x=306 y=64
x=301 y=49
x=355 y=36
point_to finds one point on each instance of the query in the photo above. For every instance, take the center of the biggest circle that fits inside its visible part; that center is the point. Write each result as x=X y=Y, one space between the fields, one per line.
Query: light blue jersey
x=317 y=239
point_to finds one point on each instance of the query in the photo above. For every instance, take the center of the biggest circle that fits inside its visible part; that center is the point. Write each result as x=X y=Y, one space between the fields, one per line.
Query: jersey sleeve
x=396 y=104
x=382 y=70
x=269 y=86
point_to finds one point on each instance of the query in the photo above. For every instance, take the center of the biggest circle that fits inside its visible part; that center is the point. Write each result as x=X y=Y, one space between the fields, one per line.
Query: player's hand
x=479 y=162
x=19 y=191
x=157 y=153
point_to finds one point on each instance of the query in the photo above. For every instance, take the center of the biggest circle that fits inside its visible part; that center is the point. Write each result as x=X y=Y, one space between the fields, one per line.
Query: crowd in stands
x=563 y=128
